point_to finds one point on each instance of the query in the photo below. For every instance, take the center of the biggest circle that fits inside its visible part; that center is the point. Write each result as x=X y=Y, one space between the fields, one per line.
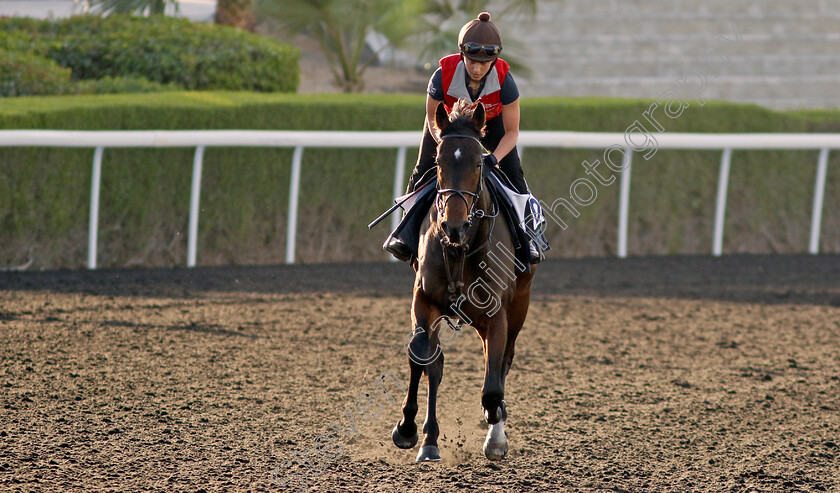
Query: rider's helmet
x=480 y=39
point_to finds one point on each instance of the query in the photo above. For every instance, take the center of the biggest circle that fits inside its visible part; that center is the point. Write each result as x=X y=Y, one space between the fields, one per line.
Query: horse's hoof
x=496 y=444
x=428 y=453
x=495 y=451
x=401 y=441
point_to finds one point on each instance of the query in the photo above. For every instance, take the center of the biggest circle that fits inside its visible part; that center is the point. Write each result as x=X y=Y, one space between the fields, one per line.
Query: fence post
x=195 y=192
x=399 y=187
x=720 y=205
x=819 y=194
x=294 y=186
x=93 y=226
x=624 y=203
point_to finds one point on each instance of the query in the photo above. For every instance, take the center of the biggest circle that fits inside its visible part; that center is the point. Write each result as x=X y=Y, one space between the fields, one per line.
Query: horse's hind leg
x=496 y=445
x=517 y=311
x=493 y=393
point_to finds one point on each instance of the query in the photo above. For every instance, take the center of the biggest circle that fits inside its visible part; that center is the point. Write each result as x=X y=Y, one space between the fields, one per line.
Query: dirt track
x=653 y=374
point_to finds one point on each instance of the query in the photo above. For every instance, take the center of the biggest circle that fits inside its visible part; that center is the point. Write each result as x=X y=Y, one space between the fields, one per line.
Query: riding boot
x=399 y=242
x=536 y=255
x=397 y=247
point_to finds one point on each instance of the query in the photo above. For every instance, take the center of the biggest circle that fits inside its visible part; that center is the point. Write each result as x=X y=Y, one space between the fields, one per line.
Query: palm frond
x=527 y=7
x=130 y=6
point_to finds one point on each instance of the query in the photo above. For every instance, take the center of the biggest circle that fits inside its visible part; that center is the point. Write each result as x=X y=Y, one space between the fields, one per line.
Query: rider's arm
x=431 y=107
x=510 y=119
x=434 y=95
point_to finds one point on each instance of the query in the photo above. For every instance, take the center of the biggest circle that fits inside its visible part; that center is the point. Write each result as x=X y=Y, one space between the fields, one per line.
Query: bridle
x=444 y=194
x=454 y=280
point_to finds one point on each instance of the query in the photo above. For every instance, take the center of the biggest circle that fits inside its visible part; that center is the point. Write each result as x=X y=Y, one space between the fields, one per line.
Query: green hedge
x=163 y=50
x=120 y=85
x=44 y=192
x=24 y=74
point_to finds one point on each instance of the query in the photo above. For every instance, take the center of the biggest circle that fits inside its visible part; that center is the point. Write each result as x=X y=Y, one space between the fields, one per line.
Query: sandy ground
x=649 y=374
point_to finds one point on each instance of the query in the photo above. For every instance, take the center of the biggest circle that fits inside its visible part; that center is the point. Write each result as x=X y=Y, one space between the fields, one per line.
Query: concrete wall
x=779 y=53
x=196 y=10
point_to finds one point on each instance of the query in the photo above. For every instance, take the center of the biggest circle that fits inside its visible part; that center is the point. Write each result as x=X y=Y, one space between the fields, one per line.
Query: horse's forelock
x=460 y=118
x=462 y=109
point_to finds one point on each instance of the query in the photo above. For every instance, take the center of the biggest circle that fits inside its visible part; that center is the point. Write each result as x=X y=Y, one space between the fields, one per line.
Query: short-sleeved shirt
x=508 y=94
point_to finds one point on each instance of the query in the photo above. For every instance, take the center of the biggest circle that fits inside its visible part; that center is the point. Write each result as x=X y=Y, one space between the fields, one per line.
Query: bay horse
x=466 y=243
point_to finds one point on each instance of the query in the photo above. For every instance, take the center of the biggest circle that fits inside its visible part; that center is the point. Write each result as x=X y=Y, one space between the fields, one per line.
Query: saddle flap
x=409 y=200
x=523 y=204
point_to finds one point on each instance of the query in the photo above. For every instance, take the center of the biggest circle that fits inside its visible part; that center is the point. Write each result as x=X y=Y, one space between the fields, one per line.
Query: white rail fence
x=200 y=139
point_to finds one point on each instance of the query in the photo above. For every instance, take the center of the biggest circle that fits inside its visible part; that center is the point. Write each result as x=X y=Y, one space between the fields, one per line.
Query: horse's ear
x=441 y=117
x=478 y=117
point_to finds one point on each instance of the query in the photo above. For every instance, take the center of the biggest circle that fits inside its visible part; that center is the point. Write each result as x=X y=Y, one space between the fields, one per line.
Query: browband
x=465 y=136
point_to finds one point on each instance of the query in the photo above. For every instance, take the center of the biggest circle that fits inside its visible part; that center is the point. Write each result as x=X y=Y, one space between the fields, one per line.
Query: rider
x=476 y=73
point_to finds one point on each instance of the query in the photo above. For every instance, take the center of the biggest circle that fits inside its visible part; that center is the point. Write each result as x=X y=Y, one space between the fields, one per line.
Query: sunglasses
x=475 y=49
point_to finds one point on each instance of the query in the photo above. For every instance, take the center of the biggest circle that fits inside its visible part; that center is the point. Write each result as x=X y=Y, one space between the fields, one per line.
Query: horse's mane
x=460 y=118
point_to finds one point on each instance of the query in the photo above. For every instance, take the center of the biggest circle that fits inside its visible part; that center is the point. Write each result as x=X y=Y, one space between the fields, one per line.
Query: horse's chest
x=474 y=293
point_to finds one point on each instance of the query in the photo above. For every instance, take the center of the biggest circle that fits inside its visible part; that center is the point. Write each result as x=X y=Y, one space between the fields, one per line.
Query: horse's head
x=459 y=169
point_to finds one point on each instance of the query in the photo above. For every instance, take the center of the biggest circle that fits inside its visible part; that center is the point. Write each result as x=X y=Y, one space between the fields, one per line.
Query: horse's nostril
x=455 y=232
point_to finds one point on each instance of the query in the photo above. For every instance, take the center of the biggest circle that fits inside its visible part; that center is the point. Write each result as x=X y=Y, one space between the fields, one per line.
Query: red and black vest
x=454 y=76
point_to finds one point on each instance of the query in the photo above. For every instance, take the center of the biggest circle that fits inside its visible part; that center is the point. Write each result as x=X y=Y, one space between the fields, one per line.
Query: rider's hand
x=490 y=160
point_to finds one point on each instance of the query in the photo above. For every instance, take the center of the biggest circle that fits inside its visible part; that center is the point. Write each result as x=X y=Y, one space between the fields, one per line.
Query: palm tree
x=154 y=7
x=342 y=27
x=236 y=13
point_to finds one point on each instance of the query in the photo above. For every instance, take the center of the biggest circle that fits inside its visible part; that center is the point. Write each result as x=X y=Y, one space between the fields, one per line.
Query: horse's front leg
x=434 y=374
x=425 y=355
x=493 y=394
x=404 y=433
x=426 y=319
